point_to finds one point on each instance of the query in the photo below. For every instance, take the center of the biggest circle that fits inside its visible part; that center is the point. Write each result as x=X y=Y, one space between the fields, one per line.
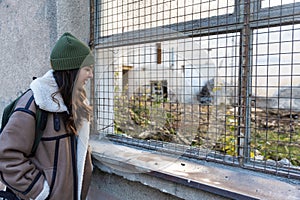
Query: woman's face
x=84 y=74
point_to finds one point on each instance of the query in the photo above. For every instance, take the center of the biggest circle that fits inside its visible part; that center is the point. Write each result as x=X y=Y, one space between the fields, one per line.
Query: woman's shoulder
x=26 y=102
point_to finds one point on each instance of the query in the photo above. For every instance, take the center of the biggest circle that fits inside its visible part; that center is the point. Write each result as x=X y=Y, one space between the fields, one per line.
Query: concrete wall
x=113 y=187
x=28 y=31
x=108 y=185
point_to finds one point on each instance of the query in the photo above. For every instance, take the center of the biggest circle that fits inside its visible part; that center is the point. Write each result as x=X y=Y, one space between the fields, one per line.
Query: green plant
x=227 y=143
x=276 y=146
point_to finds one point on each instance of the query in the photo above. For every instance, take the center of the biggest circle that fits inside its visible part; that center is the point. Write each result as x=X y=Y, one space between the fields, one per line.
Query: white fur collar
x=42 y=88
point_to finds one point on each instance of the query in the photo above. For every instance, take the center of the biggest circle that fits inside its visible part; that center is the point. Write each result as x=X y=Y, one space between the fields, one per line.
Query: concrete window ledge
x=187 y=179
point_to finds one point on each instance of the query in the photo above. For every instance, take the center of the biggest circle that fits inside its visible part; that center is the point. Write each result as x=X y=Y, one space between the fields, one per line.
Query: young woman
x=61 y=166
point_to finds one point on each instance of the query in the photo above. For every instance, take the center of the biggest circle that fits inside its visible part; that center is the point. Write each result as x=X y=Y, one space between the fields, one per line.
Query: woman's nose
x=91 y=75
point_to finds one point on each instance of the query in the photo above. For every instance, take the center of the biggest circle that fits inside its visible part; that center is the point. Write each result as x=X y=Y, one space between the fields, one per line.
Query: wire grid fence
x=207 y=79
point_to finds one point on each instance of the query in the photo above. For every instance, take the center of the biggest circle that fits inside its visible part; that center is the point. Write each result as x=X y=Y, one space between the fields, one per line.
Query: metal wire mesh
x=208 y=79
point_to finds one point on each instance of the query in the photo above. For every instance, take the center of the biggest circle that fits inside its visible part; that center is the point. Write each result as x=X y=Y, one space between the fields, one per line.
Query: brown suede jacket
x=52 y=172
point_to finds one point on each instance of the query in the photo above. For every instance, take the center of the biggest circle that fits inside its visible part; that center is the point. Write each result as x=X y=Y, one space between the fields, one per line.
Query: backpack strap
x=40 y=125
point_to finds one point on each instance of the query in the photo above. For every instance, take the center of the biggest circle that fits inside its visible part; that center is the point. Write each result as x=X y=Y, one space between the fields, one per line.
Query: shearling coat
x=61 y=167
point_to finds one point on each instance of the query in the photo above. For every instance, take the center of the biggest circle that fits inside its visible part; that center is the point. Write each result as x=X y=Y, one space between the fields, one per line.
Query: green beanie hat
x=70 y=53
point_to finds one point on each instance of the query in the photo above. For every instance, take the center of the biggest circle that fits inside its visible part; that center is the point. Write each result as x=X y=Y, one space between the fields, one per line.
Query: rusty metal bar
x=243 y=136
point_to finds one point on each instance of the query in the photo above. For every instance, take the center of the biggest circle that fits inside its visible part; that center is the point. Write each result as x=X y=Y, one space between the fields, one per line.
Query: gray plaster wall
x=127 y=186
x=107 y=186
x=28 y=32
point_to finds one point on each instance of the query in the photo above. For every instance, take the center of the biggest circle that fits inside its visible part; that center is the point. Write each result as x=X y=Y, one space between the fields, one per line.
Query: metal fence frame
x=248 y=15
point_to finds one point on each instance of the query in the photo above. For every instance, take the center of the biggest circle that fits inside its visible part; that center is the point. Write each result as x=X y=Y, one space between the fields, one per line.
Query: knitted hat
x=70 y=53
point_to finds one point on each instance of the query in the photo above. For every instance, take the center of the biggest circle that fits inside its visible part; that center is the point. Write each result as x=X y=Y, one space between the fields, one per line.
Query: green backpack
x=40 y=116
